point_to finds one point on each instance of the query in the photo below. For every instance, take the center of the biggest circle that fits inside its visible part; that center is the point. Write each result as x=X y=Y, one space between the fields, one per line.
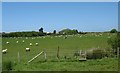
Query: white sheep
x=4 y=51
x=16 y=41
x=7 y=42
x=23 y=41
x=36 y=44
x=30 y=44
x=27 y=49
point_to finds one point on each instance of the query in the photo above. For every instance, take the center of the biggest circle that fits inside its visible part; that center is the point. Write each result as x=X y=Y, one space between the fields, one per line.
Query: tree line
x=114 y=42
x=40 y=32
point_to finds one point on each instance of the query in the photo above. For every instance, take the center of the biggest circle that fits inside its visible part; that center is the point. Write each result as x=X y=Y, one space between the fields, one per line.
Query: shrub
x=115 y=43
x=89 y=54
x=76 y=54
x=97 y=54
x=113 y=31
x=8 y=65
x=100 y=53
x=108 y=53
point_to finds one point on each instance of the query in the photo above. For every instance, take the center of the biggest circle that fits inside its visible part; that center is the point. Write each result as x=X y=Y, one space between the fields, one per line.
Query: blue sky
x=84 y=16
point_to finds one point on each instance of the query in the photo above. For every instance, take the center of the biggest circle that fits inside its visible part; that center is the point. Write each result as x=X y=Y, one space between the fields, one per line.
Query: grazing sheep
x=16 y=41
x=4 y=51
x=27 y=49
x=7 y=42
x=30 y=44
x=23 y=41
x=36 y=44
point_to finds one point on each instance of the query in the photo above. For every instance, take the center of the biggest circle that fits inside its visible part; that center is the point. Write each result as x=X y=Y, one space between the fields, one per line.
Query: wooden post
x=118 y=52
x=45 y=54
x=85 y=55
x=58 y=53
x=80 y=53
x=18 y=57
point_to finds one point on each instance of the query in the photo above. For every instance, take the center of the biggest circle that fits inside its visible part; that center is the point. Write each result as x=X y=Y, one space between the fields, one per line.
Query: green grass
x=109 y=64
x=67 y=48
x=0 y=54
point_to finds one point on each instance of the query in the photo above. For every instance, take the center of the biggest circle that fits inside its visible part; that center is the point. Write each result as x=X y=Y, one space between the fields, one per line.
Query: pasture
x=67 y=47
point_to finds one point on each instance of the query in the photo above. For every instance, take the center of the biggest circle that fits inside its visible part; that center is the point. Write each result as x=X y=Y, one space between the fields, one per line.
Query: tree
x=113 y=31
x=54 y=32
x=76 y=31
x=68 y=31
x=115 y=42
x=41 y=30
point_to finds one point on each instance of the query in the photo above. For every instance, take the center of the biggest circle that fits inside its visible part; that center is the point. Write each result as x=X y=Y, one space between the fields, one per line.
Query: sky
x=83 y=16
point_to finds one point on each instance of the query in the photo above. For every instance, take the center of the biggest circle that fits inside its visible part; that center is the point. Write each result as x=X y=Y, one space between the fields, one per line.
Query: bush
x=97 y=54
x=108 y=52
x=8 y=65
x=115 y=43
x=68 y=31
x=89 y=54
x=113 y=31
x=76 y=54
x=100 y=53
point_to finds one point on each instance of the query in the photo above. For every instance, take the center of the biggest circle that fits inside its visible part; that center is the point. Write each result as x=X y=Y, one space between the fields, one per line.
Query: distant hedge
x=23 y=34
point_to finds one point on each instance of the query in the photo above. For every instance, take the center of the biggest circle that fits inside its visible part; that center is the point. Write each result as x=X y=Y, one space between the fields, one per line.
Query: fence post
x=118 y=52
x=80 y=54
x=85 y=54
x=18 y=57
x=58 y=53
x=45 y=55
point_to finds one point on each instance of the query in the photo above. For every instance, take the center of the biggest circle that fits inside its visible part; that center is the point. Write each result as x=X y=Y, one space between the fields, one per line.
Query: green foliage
x=113 y=31
x=115 y=43
x=89 y=55
x=99 y=53
x=54 y=32
x=40 y=33
x=68 y=31
x=8 y=65
x=41 y=30
x=95 y=54
x=24 y=34
x=76 y=54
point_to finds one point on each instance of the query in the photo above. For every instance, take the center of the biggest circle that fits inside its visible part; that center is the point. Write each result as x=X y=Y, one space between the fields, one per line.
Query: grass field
x=0 y=55
x=67 y=48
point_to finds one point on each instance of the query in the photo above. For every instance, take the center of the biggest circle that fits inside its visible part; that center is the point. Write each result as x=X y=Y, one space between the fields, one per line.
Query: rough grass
x=67 y=48
x=0 y=54
x=108 y=64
